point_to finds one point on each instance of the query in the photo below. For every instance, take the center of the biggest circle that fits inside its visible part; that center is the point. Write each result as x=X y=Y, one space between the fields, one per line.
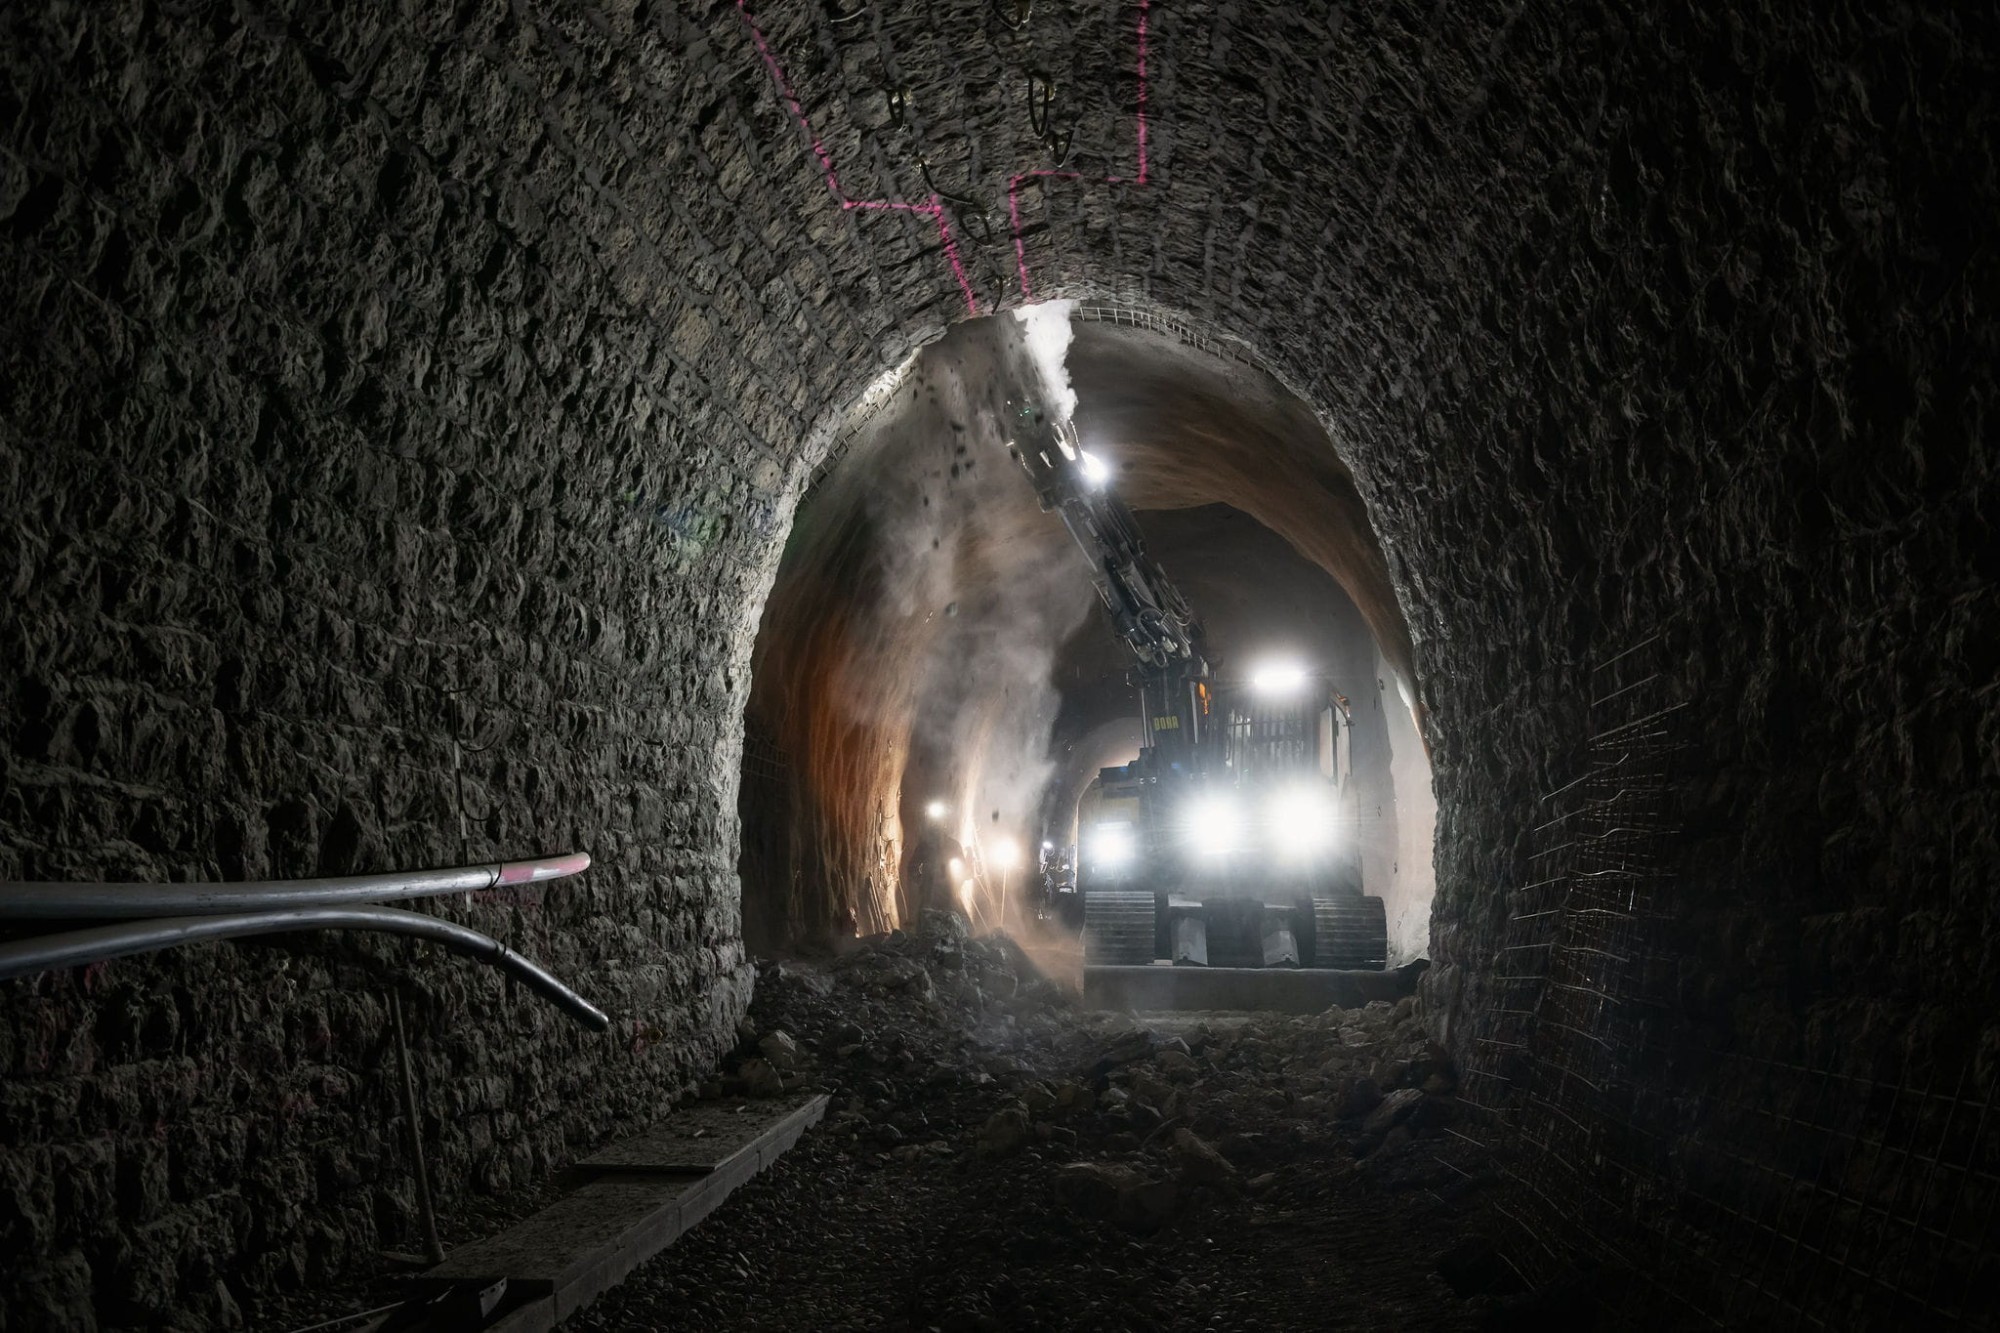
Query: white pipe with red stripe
x=72 y=902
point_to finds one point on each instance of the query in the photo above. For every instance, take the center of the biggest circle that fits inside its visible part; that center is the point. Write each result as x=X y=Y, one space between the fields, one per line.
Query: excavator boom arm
x=1148 y=613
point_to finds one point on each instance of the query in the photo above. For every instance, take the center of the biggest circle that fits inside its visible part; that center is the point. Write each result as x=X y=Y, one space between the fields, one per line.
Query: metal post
x=426 y=1207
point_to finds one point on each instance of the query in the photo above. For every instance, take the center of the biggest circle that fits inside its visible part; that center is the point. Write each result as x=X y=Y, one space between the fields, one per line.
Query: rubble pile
x=994 y=1158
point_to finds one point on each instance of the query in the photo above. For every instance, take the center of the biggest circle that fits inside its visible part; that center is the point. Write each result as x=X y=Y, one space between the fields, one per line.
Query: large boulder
x=795 y=978
x=1394 y=1110
x=1130 y=1047
x=780 y=1050
x=761 y=1078
x=887 y=974
x=1199 y=1164
x=1121 y=1195
x=941 y=926
x=1006 y=1132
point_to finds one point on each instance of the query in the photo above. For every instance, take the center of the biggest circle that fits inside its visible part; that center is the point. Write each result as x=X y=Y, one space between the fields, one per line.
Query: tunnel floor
x=995 y=1158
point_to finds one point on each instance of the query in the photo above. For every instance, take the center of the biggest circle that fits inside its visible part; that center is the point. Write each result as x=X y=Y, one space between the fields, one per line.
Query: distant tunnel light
x=1095 y=470
x=1006 y=853
x=936 y=811
x=1279 y=678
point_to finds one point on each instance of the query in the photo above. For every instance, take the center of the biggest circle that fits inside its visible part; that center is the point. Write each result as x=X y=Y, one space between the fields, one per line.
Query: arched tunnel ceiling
x=1184 y=427
x=397 y=392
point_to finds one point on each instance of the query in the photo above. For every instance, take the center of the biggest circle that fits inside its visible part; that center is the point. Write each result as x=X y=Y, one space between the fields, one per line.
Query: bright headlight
x=1214 y=826
x=1279 y=678
x=1111 y=846
x=1301 y=823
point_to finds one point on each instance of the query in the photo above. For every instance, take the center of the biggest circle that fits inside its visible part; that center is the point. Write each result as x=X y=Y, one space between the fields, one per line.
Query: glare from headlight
x=1300 y=823
x=1214 y=826
x=1279 y=678
x=1111 y=846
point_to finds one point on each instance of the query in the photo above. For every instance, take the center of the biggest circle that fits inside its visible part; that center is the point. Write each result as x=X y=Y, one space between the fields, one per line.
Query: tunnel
x=517 y=436
x=930 y=656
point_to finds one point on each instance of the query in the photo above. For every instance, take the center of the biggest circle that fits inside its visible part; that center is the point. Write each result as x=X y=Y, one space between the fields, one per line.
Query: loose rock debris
x=995 y=1159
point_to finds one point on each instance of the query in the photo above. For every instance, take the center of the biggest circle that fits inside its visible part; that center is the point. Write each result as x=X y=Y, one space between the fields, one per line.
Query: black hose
x=73 y=948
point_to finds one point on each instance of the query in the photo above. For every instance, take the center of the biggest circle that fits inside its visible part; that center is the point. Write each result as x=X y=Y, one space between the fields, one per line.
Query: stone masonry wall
x=395 y=388
x=349 y=447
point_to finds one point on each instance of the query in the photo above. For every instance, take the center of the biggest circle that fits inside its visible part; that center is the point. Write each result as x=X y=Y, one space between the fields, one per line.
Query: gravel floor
x=993 y=1158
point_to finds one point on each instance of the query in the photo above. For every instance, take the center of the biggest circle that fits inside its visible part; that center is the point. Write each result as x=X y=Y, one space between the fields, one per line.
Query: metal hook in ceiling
x=1041 y=115
x=1041 y=101
x=977 y=225
x=957 y=201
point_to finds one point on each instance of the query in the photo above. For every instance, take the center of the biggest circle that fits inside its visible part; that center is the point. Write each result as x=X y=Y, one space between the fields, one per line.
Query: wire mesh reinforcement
x=859 y=417
x=763 y=758
x=1747 y=1178
x=1168 y=326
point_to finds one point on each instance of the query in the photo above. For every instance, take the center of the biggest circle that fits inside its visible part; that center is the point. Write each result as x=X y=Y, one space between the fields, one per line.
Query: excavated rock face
x=905 y=656
x=394 y=394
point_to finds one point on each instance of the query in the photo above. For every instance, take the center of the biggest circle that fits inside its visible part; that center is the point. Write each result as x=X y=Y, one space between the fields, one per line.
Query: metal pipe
x=426 y=1208
x=72 y=948
x=72 y=902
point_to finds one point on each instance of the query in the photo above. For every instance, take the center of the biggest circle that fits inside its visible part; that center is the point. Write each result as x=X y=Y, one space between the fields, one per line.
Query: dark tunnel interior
x=524 y=642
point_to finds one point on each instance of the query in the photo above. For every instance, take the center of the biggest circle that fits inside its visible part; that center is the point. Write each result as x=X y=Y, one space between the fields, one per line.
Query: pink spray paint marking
x=933 y=210
x=1014 y=185
x=1142 y=91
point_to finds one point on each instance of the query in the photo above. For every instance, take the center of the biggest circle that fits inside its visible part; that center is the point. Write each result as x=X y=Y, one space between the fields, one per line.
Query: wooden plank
x=646 y=1193
x=700 y=1139
x=543 y=1252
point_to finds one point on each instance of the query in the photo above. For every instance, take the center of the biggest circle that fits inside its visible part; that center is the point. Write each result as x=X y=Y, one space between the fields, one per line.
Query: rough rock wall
x=352 y=358
x=354 y=440
x=905 y=649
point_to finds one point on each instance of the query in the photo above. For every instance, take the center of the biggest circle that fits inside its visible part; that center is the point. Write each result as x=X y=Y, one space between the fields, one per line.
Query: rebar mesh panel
x=1763 y=1181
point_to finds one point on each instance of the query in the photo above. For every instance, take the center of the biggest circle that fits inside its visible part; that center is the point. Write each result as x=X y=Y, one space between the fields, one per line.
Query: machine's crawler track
x=1350 y=932
x=1118 y=926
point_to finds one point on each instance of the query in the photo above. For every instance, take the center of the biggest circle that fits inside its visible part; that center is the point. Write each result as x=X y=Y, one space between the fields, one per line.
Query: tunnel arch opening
x=402 y=394
x=930 y=643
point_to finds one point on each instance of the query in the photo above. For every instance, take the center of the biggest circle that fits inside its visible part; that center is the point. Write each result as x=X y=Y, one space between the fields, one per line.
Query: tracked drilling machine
x=1231 y=840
